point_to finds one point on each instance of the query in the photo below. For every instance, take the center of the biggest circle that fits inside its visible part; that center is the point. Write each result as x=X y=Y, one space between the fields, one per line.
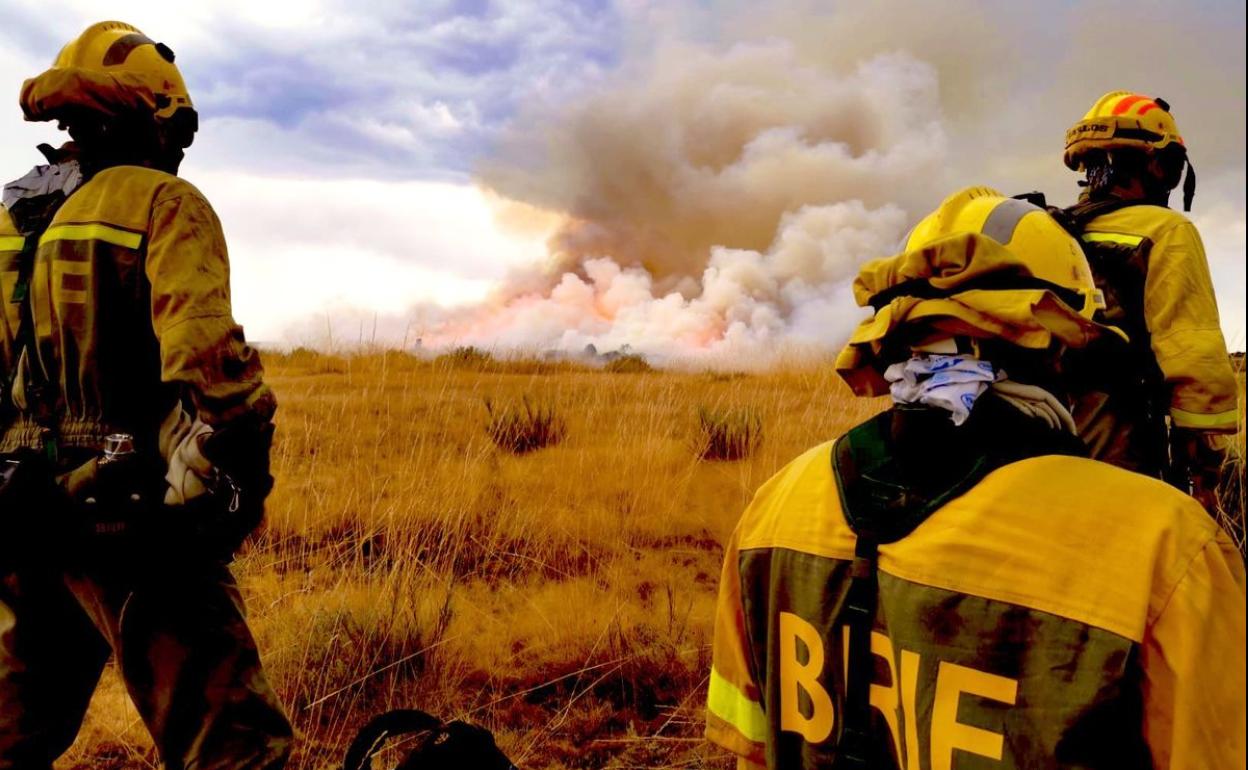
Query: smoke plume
x=715 y=203
x=718 y=191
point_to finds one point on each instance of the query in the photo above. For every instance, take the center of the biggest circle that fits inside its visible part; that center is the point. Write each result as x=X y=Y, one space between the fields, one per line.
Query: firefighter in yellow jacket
x=1149 y=261
x=951 y=584
x=129 y=385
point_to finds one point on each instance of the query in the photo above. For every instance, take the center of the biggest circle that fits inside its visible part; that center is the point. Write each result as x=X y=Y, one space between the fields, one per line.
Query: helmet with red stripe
x=1121 y=119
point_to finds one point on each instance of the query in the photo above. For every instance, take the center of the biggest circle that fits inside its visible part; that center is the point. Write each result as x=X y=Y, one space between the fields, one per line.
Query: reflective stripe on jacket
x=131 y=300
x=1039 y=620
x=11 y=245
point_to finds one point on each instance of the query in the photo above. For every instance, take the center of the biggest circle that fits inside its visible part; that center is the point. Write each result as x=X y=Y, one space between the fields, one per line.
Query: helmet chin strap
x=1110 y=176
x=1189 y=186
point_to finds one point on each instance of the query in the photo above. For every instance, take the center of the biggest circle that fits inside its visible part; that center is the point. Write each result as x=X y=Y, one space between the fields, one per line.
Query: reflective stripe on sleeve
x=731 y=705
x=1228 y=420
x=1123 y=238
x=96 y=232
x=12 y=243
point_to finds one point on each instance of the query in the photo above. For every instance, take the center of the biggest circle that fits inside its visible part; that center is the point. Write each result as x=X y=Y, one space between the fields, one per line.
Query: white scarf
x=955 y=382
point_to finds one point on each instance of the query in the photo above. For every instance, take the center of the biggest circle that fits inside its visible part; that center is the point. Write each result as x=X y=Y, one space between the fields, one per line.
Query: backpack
x=1127 y=372
x=435 y=745
x=32 y=202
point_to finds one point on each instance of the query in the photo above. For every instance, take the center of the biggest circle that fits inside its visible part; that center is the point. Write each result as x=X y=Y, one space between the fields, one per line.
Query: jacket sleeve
x=735 y=718
x=200 y=345
x=1182 y=315
x=1193 y=660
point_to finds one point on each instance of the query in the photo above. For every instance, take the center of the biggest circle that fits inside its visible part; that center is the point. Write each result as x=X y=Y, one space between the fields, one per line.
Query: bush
x=524 y=427
x=466 y=357
x=629 y=364
x=730 y=434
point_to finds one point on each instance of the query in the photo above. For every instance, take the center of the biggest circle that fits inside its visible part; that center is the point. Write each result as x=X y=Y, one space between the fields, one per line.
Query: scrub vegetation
x=562 y=597
x=731 y=434
x=1231 y=488
x=524 y=427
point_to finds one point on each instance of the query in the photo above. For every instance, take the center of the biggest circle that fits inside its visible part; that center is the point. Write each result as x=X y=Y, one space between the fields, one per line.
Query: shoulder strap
x=1076 y=218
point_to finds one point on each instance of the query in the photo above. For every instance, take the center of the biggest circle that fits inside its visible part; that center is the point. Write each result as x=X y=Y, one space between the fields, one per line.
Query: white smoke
x=717 y=203
x=718 y=191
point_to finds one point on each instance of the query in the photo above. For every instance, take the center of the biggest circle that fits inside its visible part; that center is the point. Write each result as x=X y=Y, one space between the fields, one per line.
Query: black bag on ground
x=433 y=745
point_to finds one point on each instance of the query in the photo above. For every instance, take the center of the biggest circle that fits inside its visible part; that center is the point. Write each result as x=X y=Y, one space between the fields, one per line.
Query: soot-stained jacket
x=1062 y=613
x=130 y=295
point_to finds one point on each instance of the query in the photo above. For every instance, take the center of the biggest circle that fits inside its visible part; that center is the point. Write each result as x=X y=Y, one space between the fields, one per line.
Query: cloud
x=328 y=88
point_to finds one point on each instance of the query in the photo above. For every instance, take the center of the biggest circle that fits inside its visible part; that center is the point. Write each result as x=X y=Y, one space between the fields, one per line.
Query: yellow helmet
x=1122 y=119
x=112 y=68
x=982 y=266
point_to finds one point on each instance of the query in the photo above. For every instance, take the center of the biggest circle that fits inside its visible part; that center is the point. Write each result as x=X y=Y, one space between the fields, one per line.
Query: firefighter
x=131 y=388
x=1165 y=403
x=953 y=582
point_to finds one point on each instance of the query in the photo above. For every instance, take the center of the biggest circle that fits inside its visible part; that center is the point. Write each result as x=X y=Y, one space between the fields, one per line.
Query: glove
x=219 y=477
x=240 y=452
x=189 y=473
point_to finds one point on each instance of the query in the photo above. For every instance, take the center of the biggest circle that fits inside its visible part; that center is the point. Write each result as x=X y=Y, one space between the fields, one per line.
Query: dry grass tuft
x=1231 y=497
x=728 y=434
x=524 y=427
x=1231 y=485
x=629 y=364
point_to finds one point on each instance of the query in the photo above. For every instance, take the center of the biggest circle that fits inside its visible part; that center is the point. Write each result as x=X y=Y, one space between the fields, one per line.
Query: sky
x=392 y=165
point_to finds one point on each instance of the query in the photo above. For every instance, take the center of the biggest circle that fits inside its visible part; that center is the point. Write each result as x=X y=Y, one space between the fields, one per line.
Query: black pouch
x=434 y=745
x=113 y=512
x=30 y=505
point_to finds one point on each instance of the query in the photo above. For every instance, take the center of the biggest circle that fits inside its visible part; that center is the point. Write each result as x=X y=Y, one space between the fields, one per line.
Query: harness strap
x=921 y=288
x=1189 y=185
x=1076 y=218
x=859 y=615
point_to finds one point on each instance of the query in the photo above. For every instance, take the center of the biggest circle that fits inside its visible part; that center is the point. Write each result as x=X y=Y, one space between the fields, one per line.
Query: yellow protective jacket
x=1039 y=620
x=130 y=291
x=1152 y=266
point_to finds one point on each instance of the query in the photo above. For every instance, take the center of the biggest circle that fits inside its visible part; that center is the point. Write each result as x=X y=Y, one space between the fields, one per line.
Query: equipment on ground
x=433 y=744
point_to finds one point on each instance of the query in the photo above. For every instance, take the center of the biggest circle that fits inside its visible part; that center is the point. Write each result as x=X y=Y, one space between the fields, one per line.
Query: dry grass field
x=561 y=596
